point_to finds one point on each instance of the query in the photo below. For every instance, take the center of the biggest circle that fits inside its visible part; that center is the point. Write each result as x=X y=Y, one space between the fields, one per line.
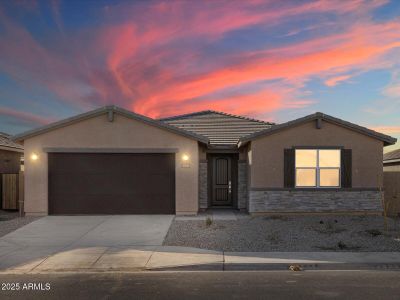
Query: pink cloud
x=387 y=129
x=25 y=116
x=351 y=51
x=147 y=59
x=393 y=90
x=251 y=104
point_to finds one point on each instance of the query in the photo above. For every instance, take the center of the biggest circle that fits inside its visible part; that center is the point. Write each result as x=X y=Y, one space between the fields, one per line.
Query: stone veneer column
x=242 y=184
x=203 y=193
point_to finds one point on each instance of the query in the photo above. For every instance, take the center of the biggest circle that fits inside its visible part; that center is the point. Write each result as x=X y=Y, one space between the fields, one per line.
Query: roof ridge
x=102 y=110
x=202 y=112
x=185 y=115
x=243 y=117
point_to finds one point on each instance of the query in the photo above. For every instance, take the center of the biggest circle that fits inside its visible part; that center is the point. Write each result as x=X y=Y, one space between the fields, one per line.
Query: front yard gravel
x=288 y=233
x=10 y=221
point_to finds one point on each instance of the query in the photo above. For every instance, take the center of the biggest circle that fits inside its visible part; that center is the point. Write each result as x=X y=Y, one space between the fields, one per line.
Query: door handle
x=230 y=186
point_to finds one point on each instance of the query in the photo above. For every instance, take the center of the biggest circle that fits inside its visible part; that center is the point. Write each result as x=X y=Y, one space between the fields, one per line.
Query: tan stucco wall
x=98 y=132
x=267 y=153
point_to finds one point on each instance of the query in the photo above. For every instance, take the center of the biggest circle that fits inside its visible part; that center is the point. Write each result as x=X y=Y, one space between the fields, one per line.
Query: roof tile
x=222 y=129
x=395 y=154
x=5 y=141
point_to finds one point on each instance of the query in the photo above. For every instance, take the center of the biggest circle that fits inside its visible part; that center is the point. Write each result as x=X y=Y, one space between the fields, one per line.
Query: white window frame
x=317 y=170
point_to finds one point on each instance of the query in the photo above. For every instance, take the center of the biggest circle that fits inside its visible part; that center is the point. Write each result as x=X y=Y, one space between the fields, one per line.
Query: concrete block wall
x=314 y=201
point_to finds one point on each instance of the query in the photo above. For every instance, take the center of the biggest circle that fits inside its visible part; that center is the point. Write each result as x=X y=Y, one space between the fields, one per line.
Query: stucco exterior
x=267 y=153
x=267 y=193
x=99 y=132
x=258 y=173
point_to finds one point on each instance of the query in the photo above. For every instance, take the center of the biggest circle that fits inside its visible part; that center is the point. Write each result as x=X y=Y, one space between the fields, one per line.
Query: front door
x=222 y=181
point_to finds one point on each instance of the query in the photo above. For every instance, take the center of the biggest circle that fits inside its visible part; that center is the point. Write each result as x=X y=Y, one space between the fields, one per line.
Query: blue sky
x=273 y=60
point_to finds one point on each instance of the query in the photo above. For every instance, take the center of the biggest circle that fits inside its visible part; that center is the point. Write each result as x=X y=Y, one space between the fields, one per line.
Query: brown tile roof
x=220 y=128
x=6 y=142
x=392 y=155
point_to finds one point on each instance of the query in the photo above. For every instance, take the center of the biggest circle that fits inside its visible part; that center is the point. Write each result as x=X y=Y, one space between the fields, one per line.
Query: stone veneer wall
x=242 y=185
x=203 y=193
x=314 y=201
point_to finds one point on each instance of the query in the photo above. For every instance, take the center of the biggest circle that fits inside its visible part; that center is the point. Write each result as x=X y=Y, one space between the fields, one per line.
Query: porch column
x=242 y=184
x=203 y=182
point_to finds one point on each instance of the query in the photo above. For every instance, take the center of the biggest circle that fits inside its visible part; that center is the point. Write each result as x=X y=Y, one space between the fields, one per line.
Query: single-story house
x=391 y=161
x=114 y=161
x=10 y=165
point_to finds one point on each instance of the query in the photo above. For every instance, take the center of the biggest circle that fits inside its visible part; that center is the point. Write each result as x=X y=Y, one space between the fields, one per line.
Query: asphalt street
x=204 y=285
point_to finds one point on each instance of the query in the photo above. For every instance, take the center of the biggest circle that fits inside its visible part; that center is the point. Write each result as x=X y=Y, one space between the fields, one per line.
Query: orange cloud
x=387 y=129
x=252 y=104
x=157 y=60
x=126 y=58
x=351 y=51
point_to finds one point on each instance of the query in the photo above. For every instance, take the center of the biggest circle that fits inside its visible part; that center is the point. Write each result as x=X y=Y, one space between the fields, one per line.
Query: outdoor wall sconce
x=185 y=161
x=34 y=156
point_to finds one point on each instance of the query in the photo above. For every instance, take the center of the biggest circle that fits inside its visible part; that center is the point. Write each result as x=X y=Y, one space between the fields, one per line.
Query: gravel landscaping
x=10 y=221
x=288 y=233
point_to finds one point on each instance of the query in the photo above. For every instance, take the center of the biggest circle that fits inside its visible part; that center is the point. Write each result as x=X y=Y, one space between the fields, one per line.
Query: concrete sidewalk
x=164 y=258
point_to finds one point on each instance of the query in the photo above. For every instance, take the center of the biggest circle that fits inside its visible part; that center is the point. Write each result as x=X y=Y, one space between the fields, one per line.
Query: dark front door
x=111 y=183
x=222 y=181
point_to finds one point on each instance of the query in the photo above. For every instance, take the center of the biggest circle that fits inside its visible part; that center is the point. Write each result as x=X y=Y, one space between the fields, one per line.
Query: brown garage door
x=111 y=183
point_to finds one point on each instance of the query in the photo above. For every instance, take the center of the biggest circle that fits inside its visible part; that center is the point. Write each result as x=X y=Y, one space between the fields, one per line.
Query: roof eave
x=12 y=149
x=387 y=140
x=59 y=124
x=390 y=161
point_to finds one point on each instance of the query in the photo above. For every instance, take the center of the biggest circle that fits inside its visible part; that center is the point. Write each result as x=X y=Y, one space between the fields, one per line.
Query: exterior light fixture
x=185 y=157
x=34 y=156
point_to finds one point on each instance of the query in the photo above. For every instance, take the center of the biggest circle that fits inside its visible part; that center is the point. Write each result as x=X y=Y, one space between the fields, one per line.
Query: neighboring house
x=10 y=154
x=10 y=163
x=391 y=161
x=113 y=161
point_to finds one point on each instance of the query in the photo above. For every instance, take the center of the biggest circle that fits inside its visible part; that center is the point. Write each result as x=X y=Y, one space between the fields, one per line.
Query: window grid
x=317 y=171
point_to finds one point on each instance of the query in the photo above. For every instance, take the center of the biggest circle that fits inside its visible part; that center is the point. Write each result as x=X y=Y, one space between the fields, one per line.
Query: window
x=317 y=168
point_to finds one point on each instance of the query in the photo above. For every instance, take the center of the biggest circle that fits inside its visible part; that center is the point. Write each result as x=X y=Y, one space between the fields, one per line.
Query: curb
x=309 y=267
x=218 y=267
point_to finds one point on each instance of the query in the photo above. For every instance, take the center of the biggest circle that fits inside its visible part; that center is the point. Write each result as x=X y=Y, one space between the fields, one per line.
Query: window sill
x=314 y=189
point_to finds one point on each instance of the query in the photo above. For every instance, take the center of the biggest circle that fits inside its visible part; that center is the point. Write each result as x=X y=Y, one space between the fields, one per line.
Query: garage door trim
x=111 y=150
x=88 y=195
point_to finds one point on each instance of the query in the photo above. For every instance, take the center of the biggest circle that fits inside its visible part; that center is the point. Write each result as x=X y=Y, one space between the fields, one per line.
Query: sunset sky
x=272 y=60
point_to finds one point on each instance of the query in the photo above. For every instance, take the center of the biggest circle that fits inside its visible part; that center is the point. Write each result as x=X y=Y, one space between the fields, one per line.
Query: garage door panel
x=104 y=181
x=83 y=183
x=94 y=204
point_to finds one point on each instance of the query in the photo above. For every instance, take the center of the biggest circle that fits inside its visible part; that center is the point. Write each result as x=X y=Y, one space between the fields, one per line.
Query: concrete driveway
x=62 y=242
